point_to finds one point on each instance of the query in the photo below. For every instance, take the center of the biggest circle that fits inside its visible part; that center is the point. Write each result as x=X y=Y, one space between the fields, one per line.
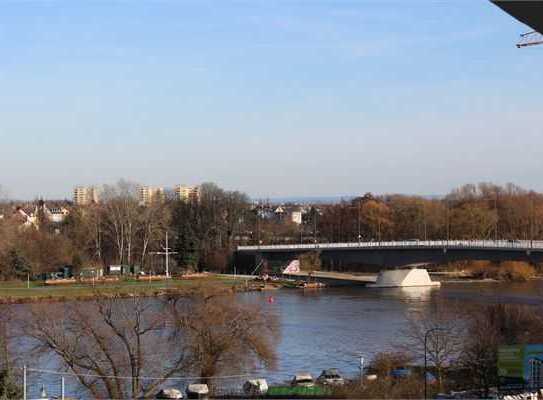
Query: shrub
x=512 y=271
x=310 y=261
x=517 y=271
x=385 y=388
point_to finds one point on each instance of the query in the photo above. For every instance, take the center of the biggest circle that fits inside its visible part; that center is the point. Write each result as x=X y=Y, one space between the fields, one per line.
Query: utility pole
x=359 y=231
x=448 y=221
x=496 y=219
x=24 y=382
x=424 y=220
x=531 y=220
x=258 y=226
x=166 y=252
x=315 y=226
x=361 y=367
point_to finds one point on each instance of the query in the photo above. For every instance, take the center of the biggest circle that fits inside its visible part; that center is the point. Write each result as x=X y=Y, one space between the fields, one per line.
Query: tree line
x=120 y=231
x=483 y=211
x=204 y=233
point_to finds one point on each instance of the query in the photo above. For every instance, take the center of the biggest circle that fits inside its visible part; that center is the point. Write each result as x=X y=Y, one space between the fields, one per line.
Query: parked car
x=330 y=377
x=197 y=391
x=170 y=393
x=400 y=373
x=302 y=379
x=255 y=387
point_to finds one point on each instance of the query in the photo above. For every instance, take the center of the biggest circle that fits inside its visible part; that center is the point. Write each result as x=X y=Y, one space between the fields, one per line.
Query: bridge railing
x=478 y=244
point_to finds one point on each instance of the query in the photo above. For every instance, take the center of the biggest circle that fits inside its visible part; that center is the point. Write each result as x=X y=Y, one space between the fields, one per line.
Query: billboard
x=521 y=366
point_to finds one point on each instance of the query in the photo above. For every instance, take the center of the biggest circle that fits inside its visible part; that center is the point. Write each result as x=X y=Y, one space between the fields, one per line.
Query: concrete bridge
x=373 y=256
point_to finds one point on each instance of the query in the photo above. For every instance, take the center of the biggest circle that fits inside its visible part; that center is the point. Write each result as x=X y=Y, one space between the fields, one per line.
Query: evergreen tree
x=187 y=246
x=187 y=243
x=19 y=265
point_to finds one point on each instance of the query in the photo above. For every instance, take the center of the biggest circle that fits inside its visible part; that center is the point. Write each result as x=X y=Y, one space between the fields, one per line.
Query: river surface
x=334 y=327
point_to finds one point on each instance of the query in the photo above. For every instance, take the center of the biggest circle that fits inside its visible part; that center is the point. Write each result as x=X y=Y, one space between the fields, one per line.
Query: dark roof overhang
x=529 y=12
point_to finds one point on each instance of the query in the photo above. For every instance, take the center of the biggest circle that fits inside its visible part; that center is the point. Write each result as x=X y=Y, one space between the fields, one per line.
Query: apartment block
x=187 y=193
x=85 y=195
x=148 y=195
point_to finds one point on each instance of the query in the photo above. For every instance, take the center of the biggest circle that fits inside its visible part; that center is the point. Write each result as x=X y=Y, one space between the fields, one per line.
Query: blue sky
x=275 y=98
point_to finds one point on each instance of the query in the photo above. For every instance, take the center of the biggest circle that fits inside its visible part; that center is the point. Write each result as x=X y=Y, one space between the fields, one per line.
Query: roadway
x=462 y=244
x=372 y=256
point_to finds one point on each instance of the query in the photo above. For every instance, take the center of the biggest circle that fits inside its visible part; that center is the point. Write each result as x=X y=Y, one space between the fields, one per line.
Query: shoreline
x=17 y=292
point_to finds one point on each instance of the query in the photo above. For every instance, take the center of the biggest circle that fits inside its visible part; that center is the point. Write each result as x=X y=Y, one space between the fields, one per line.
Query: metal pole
x=425 y=225
x=24 y=382
x=28 y=281
x=315 y=227
x=361 y=366
x=359 y=231
x=379 y=228
x=531 y=221
x=448 y=221
x=62 y=388
x=258 y=226
x=167 y=257
x=496 y=220
x=425 y=365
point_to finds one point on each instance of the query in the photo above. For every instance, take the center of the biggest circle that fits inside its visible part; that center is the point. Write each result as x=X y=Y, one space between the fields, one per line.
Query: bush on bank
x=511 y=271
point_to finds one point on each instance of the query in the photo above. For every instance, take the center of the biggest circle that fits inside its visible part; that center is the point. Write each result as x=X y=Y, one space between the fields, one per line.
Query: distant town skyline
x=272 y=98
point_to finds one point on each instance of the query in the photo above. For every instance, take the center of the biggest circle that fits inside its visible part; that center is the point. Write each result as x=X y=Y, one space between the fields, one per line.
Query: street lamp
x=426 y=335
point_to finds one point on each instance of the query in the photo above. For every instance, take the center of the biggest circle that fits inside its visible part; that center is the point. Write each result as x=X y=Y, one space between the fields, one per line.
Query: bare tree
x=223 y=333
x=110 y=344
x=490 y=327
x=438 y=335
x=153 y=222
x=9 y=389
x=121 y=212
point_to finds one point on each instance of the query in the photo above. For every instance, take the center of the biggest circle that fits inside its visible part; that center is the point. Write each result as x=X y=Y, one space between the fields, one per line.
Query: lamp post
x=426 y=335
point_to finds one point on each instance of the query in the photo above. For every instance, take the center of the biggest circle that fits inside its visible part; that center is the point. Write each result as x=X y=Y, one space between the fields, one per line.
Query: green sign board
x=511 y=361
x=521 y=365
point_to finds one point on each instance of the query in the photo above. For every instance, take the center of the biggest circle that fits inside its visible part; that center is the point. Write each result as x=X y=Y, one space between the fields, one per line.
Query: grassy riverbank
x=23 y=292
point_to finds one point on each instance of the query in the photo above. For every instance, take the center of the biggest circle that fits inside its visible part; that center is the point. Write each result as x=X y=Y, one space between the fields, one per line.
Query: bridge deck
x=519 y=245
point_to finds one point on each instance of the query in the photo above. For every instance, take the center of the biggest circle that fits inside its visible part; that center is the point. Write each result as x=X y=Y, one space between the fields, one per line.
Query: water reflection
x=331 y=328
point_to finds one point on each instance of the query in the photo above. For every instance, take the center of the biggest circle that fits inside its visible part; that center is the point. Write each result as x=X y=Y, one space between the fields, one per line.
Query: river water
x=334 y=327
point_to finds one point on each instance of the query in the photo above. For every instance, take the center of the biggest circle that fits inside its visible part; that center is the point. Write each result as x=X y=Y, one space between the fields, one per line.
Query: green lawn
x=38 y=290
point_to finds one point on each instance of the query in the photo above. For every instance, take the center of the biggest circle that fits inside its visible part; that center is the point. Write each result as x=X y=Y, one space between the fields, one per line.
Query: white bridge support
x=415 y=277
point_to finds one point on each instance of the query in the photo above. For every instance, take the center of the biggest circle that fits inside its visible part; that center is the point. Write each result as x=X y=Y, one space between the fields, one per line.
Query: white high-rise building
x=85 y=195
x=187 y=193
x=148 y=195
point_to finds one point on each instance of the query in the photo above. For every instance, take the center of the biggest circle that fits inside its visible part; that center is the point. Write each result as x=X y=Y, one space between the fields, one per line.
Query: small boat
x=303 y=379
x=330 y=377
x=170 y=393
x=197 y=391
x=311 y=285
x=255 y=387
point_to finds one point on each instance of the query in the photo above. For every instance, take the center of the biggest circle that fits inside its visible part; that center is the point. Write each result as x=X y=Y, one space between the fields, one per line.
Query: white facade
x=186 y=193
x=296 y=217
x=85 y=195
x=147 y=194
